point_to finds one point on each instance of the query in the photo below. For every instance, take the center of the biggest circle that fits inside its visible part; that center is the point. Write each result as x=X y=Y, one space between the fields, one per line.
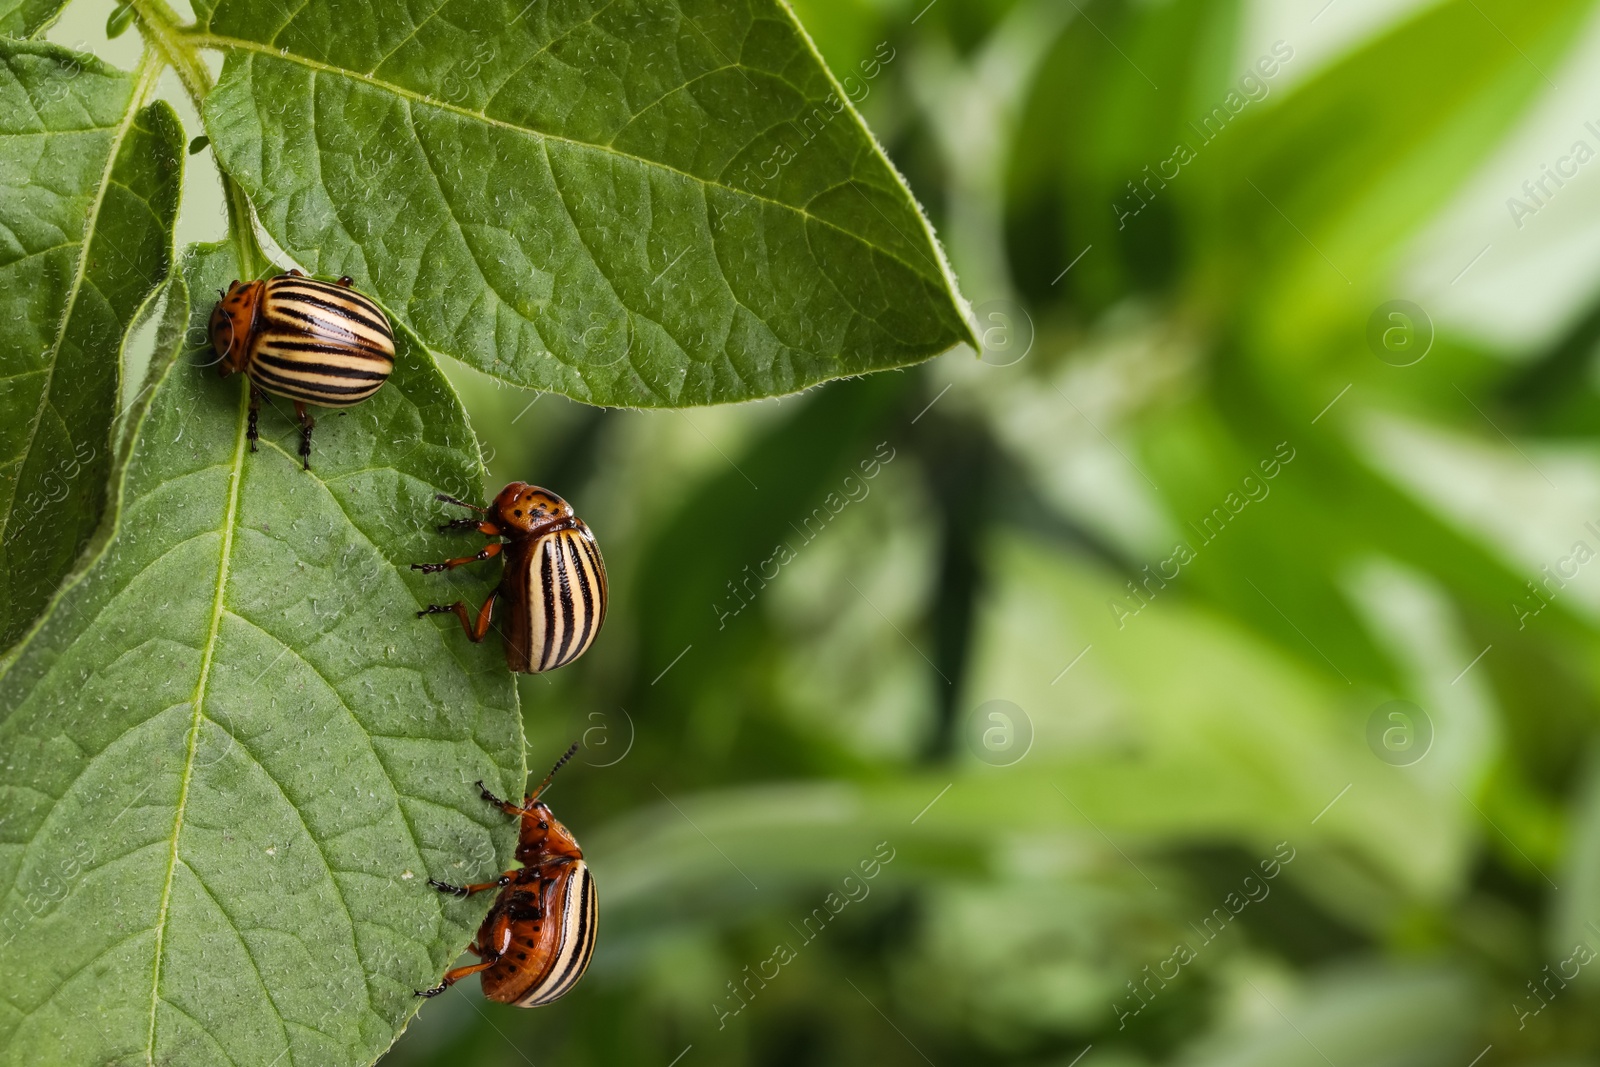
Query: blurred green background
x=1088 y=648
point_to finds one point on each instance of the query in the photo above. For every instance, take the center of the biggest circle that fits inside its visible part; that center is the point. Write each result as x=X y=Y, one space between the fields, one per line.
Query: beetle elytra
x=310 y=341
x=538 y=937
x=554 y=582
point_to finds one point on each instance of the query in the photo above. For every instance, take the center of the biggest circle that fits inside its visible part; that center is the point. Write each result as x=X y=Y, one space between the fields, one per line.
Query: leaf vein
x=238 y=44
x=198 y=700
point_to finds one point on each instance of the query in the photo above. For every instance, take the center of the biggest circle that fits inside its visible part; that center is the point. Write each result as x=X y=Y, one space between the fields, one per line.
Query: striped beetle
x=554 y=581
x=536 y=941
x=307 y=340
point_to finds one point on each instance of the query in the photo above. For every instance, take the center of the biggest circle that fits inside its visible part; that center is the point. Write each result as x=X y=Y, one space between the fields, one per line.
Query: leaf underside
x=632 y=202
x=234 y=757
x=27 y=18
x=90 y=191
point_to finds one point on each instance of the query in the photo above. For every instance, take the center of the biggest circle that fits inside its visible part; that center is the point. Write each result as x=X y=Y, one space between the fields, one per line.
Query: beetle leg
x=251 y=433
x=488 y=551
x=451 y=977
x=473 y=887
x=346 y=281
x=500 y=941
x=504 y=805
x=485 y=613
x=294 y=272
x=460 y=609
x=483 y=791
x=470 y=524
x=307 y=423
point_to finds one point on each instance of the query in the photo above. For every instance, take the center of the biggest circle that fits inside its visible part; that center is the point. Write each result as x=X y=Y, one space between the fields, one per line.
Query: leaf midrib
x=198 y=700
x=224 y=43
x=146 y=76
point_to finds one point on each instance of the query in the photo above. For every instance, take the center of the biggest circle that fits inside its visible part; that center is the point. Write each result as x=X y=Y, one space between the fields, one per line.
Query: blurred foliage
x=751 y=739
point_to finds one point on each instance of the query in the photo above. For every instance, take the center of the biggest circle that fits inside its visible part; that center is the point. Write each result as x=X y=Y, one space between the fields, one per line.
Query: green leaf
x=28 y=18
x=232 y=757
x=1381 y=1015
x=1095 y=127
x=119 y=20
x=1178 y=722
x=88 y=192
x=1356 y=160
x=647 y=202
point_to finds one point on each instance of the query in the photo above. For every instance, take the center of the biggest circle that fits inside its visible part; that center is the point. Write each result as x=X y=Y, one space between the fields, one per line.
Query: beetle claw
x=446 y=887
x=435 y=991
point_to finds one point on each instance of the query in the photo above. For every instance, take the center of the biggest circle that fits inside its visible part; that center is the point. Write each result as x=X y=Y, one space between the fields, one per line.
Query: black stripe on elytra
x=293 y=393
x=325 y=289
x=578 y=961
x=565 y=570
x=323 y=322
x=354 y=312
x=302 y=390
x=295 y=342
x=592 y=551
x=586 y=938
x=298 y=376
x=332 y=370
x=586 y=585
x=546 y=581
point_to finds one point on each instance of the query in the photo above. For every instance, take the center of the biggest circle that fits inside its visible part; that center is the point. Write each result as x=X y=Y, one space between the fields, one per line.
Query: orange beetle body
x=554 y=582
x=538 y=938
x=310 y=341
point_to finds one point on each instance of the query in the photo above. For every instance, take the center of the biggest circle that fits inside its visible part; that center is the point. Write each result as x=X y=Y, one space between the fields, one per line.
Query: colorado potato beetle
x=536 y=941
x=306 y=340
x=554 y=581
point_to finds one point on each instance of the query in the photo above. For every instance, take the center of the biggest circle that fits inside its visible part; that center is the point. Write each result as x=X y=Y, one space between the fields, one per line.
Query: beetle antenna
x=446 y=498
x=562 y=762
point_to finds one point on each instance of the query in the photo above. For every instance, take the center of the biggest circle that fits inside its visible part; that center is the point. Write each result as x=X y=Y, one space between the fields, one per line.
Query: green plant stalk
x=159 y=25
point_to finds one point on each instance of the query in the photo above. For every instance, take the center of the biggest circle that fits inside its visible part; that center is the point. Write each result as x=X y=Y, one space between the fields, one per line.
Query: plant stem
x=158 y=24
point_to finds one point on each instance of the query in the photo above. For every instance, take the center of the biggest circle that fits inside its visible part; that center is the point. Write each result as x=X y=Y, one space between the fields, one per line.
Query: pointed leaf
x=647 y=202
x=28 y=18
x=232 y=757
x=88 y=193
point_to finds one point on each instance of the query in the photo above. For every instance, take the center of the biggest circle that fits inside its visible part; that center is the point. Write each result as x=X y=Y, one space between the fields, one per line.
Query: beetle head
x=231 y=323
x=542 y=836
x=525 y=507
